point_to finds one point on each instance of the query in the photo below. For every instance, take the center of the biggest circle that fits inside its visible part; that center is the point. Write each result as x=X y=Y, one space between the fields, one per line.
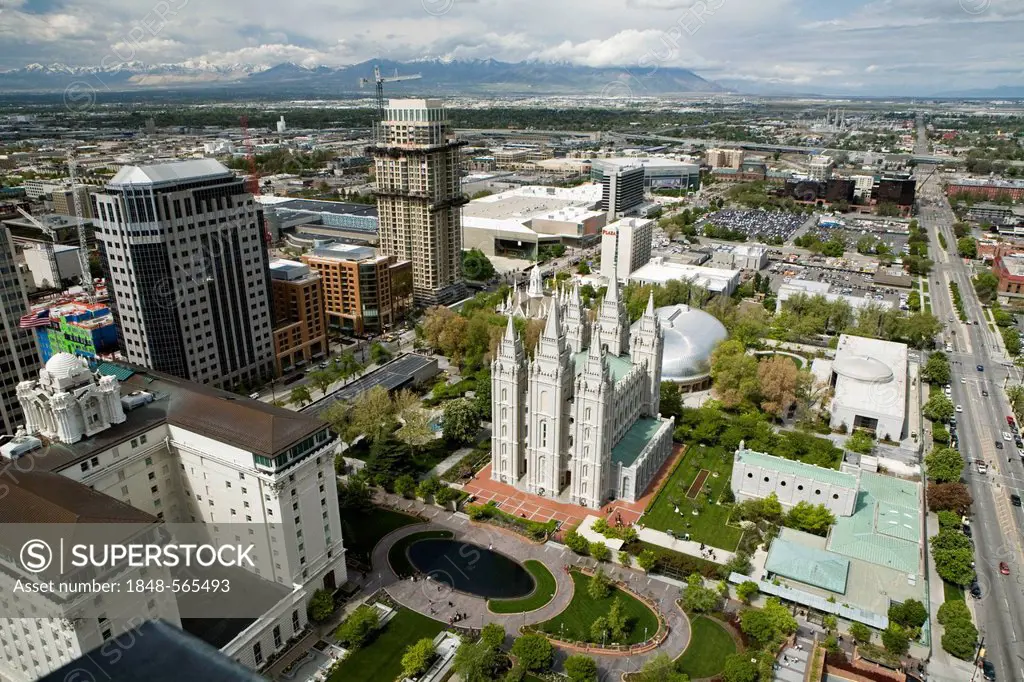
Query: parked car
x=1004 y=568
x=999 y=445
x=1015 y=499
x=981 y=368
x=984 y=393
x=967 y=531
x=1007 y=436
x=988 y=670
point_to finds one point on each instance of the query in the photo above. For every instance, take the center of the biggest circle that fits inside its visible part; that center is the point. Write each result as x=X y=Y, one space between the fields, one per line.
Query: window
x=257 y=653
x=277 y=636
x=85 y=466
x=817 y=492
x=142 y=439
x=95 y=461
x=835 y=496
x=227 y=483
x=750 y=475
x=152 y=476
x=765 y=479
x=149 y=461
x=295 y=622
x=782 y=483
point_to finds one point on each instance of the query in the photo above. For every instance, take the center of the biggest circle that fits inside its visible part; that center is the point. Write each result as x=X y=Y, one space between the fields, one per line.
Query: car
x=999 y=445
x=988 y=670
x=967 y=531
x=984 y=393
x=1009 y=419
x=981 y=368
x=976 y=590
x=1004 y=568
x=982 y=466
x=959 y=408
x=1018 y=442
x=1015 y=499
x=1007 y=436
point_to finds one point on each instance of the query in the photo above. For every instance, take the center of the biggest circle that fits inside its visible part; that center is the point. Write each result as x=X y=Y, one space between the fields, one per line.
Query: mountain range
x=439 y=76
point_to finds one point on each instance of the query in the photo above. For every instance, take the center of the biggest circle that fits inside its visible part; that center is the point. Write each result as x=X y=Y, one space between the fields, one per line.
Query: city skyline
x=884 y=47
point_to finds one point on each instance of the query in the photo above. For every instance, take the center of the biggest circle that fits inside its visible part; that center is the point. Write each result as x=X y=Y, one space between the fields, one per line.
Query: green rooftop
x=618 y=366
x=808 y=565
x=794 y=468
x=885 y=528
x=117 y=371
x=635 y=440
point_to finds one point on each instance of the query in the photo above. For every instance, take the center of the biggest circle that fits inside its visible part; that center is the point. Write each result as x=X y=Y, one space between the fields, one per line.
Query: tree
x=769 y=623
x=580 y=668
x=322 y=380
x=951 y=496
x=371 y=413
x=583 y=269
x=599 y=586
x=986 y=284
x=940 y=434
x=359 y=626
x=647 y=559
x=625 y=558
x=738 y=668
x=354 y=495
x=779 y=381
x=746 y=591
x=967 y=247
x=534 y=651
x=661 y=668
x=417 y=657
x=461 y=421
x=475 y=662
x=811 y=518
x=300 y=396
x=953 y=556
x=493 y=634
x=861 y=633
x=405 y=485
x=944 y=465
x=860 y=442
x=830 y=623
x=321 y=606
x=697 y=598
x=379 y=354
x=961 y=639
x=576 y=542
x=416 y=431
x=910 y=614
x=735 y=374
x=600 y=551
x=938 y=408
x=428 y=487
x=895 y=639
x=476 y=265
x=347 y=366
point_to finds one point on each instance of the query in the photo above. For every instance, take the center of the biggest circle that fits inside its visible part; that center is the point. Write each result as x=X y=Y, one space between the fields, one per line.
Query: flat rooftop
x=653 y=162
x=336 y=207
x=715 y=280
x=345 y=252
x=871 y=375
x=795 y=468
x=394 y=375
x=815 y=288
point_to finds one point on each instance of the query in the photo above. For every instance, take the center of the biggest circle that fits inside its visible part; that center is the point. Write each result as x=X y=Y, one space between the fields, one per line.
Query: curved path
x=424 y=596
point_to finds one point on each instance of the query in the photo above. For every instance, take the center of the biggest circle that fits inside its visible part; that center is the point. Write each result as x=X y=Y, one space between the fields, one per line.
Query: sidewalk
x=941 y=666
x=662 y=539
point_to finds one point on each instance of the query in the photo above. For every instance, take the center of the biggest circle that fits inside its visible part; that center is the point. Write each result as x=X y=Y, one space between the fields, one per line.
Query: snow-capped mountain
x=440 y=75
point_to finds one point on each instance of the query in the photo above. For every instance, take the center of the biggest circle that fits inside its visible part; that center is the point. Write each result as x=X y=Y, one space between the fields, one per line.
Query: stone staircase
x=792 y=663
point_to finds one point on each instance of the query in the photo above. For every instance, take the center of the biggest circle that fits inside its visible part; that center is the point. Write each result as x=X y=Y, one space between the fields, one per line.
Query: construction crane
x=380 y=81
x=83 y=247
x=252 y=185
x=48 y=249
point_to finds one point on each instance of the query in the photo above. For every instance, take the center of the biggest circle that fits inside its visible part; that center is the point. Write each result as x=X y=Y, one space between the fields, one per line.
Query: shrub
x=493 y=635
x=446 y=494
x=746 y=591
x=577 y=542
x=600 y=551
x=647 y=559
x=960 y=639
x=861 y=633
x=358 y=627
x=895 y=639
x=321 y=606
x=417 y=657
x=580 y=668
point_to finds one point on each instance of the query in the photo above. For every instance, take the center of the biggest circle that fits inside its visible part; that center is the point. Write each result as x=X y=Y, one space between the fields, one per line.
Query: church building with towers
x=580 y=420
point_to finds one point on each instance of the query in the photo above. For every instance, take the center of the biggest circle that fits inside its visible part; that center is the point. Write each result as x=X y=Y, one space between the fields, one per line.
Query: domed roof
x=64 y=366
x=862 y=368
x=690 y=337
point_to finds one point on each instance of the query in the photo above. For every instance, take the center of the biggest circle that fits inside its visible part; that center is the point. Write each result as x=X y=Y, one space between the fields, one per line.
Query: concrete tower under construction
x=419 y=196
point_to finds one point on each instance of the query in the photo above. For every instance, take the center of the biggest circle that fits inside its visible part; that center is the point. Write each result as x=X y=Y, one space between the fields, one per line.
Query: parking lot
x=896 y=242
x=848 y=283
x=758 y=224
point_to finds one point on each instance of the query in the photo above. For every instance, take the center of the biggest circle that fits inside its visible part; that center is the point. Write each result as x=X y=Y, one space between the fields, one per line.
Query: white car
x=959 y=408
x=963 y=380
x=1007 y=436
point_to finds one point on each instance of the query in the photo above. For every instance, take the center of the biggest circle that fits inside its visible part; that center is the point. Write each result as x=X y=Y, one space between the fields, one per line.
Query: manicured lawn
x=382 y=658
x=362 y=531
x=710 y=526
x=397 y=556
x=574 y=623
x=542 y=593
x=951 y=592
x=709 y=646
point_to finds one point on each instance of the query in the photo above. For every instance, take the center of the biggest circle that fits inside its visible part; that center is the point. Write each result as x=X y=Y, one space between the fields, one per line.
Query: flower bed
x=489 y=513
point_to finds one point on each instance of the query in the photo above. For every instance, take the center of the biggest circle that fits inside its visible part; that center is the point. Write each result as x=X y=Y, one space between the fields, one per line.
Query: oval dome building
x=690 y=337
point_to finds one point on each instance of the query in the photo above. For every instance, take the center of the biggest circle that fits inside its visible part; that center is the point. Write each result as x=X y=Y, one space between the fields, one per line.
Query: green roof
x=789 y=466
x=117 y=371
x=808 y=565
x=618 y=365
x=885 y=528
x=635 y=440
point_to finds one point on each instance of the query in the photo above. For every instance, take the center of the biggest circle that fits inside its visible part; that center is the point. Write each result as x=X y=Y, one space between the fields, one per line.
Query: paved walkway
x=662 y=539
x=423 y=595
x=447 y=463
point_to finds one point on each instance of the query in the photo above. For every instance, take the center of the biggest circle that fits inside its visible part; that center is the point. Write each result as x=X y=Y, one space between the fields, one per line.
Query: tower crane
x=48 y=249
x=252 y=185
x=380 y=81
x=83 y=247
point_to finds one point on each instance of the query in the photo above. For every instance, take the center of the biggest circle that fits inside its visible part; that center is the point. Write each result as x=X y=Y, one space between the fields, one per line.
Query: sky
x=879 y=47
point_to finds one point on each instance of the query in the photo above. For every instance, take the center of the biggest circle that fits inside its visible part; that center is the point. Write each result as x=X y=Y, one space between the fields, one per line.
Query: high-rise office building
x=622 y=191
x=183 y=251
x=19 y=355
x=419 y=195
x=626 y=247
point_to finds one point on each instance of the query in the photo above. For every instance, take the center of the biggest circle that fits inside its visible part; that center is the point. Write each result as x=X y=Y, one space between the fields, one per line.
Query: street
x=996 y=523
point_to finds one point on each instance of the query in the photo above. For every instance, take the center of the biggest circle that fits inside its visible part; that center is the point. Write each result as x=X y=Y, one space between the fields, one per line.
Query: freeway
x=997 y=524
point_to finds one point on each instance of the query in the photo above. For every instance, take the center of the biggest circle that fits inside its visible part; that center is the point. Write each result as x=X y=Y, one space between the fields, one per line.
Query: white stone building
x=139 y=446
x=756 y=476
x=625 y=247
x=580 y=421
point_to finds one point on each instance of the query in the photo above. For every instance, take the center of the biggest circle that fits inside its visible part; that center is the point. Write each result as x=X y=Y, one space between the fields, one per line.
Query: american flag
x=39 y=318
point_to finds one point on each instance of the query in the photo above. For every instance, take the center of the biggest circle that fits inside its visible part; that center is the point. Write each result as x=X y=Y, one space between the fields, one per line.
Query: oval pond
x=469 y=568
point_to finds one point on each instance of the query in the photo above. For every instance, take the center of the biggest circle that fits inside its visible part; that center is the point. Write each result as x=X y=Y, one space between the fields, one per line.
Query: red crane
x=252 y=184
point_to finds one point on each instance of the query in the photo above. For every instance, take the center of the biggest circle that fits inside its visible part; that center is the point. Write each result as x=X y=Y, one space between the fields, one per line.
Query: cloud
x=875 y=46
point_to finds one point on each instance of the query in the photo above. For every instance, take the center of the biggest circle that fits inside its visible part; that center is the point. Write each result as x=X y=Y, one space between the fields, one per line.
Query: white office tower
x=127 y=445
x=625 y=247
x=19 y=354
x=281 y=125
x=186 y=263
x=580 y=421
x=419 y=197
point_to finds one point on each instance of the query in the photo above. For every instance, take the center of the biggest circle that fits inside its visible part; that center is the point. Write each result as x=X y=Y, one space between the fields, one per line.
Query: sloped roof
x=170 y=172
x=45 y=497
x=635 y=440
x=808 y=565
